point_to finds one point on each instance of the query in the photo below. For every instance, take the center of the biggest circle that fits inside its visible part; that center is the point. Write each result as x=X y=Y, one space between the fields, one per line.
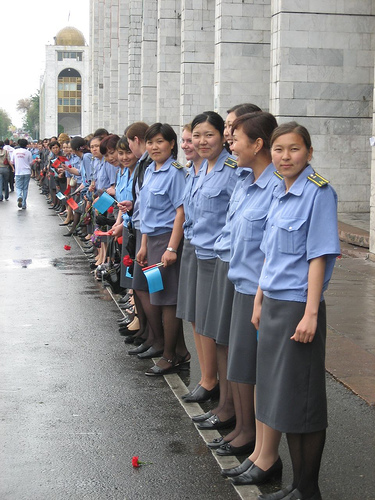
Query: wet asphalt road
x=75 y=407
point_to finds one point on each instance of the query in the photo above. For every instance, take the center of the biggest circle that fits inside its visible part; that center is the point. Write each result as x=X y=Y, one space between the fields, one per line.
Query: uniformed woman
x=162 y=217
x=124 y=183
x=188 y=272
x=210 y=197
x=300 y=245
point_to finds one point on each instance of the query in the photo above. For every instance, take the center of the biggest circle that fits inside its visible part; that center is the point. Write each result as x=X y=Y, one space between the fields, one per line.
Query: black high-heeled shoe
x=255 y=475
x=236 y=471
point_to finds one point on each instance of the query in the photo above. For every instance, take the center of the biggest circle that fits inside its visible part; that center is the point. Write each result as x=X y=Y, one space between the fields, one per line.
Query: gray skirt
x=187 y=284
x=291 y=389
x=139 y=279
x=205 y=274
x=219 y=309
x=125 y=281
x=242 y=353
x=156 y=246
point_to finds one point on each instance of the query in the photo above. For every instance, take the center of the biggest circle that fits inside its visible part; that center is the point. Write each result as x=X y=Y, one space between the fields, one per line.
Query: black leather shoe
x=278 y=495
x=216 y=443
x=202 y=417
x=138 y=350
x=184 y=396
x=236 y=471
x=151 y=352
x=255 y=475
x=201 y=395
x=214 y=423
x=297 y=495
x=129 y=339
x=226 y=450
x=156 y=371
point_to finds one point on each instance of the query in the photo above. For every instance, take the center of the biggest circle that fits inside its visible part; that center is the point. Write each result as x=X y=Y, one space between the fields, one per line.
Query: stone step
x=354 y=235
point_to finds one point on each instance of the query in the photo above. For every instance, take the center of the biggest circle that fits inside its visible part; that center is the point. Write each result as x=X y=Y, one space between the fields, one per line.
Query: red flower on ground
x=137 y=463
x=67 y=247
x=127 y=261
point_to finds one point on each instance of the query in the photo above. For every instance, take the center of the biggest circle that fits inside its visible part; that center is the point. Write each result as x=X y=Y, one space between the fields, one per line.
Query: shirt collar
x=298 y=185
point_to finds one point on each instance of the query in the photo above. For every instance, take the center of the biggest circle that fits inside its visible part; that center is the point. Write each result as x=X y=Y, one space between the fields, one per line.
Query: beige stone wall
x=310 y=60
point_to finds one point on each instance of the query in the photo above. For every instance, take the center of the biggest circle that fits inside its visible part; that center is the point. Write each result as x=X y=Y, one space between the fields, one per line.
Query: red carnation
x=127 y=261
x=137 y=463
x=110 y=210
x=67 y=247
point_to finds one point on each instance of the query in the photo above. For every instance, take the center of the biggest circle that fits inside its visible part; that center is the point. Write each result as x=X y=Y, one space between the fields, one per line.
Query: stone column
x=123 y=36
x=372 y=197
x=106 y=23
x=94 y=69
x=242 y=46
x=148 y=61
x=99 y=35
x=322 y=76
x=197 y=58
x=114 y=69
x=134 y=60
x=169 y=62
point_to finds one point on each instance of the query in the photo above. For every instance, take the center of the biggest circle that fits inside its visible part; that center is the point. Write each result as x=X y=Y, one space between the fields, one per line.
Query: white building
x=64 y=90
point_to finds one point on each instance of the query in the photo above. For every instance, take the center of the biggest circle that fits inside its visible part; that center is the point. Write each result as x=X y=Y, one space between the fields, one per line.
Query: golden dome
x=69 y=36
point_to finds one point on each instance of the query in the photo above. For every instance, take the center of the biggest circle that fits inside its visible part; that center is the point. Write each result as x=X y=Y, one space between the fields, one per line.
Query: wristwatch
x=170 y=249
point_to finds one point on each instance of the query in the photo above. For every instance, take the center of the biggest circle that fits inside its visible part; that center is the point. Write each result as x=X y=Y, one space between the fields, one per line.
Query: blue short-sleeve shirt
x=246 y=258
x=223 y=243
x=105 y=175
x=191 y=179
x=160 y=196
x=210 y=197
x=301 y=225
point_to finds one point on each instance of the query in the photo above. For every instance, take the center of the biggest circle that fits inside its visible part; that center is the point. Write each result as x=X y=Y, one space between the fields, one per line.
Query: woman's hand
x=111 y=191
x=125 y=206
x=306 y=328
x=168 y=258
x=117 y=230
x=142 y=256
x=257 y=309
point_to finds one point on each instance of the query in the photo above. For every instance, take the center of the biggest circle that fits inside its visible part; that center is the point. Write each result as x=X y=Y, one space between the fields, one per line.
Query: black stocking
x=154 y=320
x=141 y=315
x=306 y=452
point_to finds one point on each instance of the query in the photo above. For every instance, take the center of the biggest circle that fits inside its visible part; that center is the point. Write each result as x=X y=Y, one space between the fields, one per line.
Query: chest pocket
x=254 y=221
x=211 y=200
x=156 y=198
x=292 y=235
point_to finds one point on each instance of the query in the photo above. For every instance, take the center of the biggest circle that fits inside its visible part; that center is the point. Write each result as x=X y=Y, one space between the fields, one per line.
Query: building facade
x=64 y=89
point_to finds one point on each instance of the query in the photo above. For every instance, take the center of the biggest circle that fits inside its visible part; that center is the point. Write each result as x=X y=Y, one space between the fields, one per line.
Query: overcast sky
x=26 y=28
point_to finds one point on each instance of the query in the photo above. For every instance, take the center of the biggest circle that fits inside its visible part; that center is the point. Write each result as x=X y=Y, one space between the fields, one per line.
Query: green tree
x=30 y=107
x=5 y=123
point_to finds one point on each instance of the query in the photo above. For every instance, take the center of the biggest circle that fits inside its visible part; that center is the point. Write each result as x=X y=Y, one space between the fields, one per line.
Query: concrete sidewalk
x=351 y=310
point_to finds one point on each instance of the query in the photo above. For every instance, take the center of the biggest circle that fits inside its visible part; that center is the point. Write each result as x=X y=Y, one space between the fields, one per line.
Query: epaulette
x=278 y=174
x=230 y=162
x=177 y=165
x=318 y=179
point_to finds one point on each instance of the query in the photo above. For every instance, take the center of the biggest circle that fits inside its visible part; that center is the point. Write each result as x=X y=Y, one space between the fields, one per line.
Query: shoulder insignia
x=177 y=165
x=278 y=174
x=230 y=162
x=318 y=179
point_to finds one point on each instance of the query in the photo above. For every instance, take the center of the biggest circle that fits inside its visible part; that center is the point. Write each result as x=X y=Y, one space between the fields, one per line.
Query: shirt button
x=290 y=227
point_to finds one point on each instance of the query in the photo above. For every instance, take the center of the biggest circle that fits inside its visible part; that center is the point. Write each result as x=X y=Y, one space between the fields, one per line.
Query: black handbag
x=130 y=246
